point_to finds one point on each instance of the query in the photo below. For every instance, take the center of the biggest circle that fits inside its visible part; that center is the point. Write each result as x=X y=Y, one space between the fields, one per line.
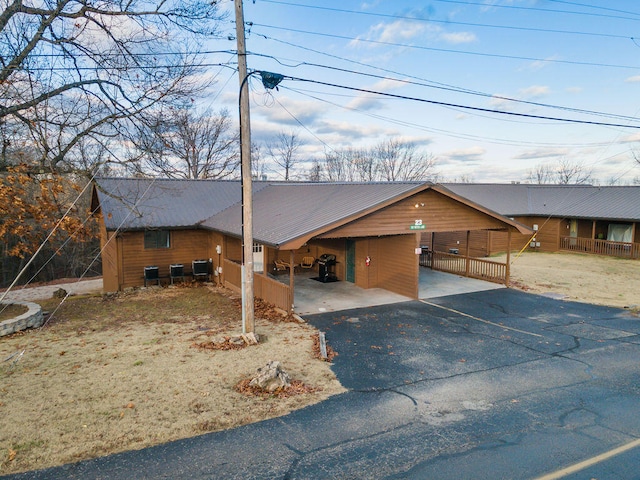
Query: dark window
x=156 y=239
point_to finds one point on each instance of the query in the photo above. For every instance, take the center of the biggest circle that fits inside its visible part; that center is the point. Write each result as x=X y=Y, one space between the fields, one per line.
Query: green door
x=351 y=261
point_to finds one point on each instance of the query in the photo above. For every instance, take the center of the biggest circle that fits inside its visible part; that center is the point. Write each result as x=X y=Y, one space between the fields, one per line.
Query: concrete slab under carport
x=313 y=297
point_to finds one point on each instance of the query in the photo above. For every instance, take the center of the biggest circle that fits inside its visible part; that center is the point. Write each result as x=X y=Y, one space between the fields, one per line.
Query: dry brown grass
x=8 y=311
x=107 y=375
x=584 y=278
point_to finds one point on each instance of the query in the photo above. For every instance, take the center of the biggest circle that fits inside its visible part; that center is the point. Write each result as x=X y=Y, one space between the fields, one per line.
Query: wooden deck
x=600 y=247
x=466 y=266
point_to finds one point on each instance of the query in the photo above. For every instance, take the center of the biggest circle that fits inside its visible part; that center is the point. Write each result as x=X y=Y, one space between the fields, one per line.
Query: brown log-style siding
x=132 y=257
x=109 y=248
x=396 y=264
x=367 y=276
x=437 y=213
x=444 y=241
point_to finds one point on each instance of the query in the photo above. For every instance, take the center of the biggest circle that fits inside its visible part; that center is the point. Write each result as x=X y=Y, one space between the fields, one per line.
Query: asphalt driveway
x=495 y=384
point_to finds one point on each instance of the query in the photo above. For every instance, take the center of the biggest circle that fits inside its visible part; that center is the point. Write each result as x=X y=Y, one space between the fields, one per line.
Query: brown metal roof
x=284 y=214
x=288 y=211
x=618 y=203
x=138 y=203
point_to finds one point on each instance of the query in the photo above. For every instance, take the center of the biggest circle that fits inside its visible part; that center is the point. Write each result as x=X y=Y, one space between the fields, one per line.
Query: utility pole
x=248 y=321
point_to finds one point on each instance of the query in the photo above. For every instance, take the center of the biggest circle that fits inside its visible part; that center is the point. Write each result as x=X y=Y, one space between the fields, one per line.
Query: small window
x=156 y=239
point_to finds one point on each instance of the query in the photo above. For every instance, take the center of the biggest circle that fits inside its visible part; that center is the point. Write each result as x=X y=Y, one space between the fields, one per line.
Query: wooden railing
x=600 y=247
x=466 y=266
x=266 y=288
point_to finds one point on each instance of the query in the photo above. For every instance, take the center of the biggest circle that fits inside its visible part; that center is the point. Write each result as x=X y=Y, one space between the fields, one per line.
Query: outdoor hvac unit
x=176 y=271
x=151 y=274
x=200 y=269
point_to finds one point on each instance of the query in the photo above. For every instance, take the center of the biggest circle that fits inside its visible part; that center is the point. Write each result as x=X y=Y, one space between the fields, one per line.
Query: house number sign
x=417 y=225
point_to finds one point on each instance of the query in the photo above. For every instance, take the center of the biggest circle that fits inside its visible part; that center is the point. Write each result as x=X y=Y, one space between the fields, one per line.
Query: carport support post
x=433 y=248
x=466 y=255
x=292 y=272
x=508 y=269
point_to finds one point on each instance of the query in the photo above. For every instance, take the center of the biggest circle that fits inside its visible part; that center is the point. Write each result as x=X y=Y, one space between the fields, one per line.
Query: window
x=156 y=239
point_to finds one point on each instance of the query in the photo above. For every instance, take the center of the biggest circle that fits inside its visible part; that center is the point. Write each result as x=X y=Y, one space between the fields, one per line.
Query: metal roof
x=282 y=212
x=138 y=203
x=566 y=201
x=286 y=211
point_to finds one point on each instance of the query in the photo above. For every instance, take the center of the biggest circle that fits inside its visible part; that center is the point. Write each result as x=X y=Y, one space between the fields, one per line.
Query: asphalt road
x=488 y=385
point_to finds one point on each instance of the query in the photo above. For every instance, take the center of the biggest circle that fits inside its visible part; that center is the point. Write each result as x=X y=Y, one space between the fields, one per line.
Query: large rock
x=271 y=377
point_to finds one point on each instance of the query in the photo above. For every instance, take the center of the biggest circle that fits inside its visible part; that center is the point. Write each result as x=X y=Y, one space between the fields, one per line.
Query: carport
x=378 y=250
x=313 y=297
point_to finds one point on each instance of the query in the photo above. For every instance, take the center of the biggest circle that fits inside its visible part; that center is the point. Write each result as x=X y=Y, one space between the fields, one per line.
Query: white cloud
x=633 y=138
x=535 y=91
x=459 y=37
x=540 y=64
x=400 y=30
x=634 y=79
x=290 y=112
x=368 y=101
x=539 y=153
x=466 y=155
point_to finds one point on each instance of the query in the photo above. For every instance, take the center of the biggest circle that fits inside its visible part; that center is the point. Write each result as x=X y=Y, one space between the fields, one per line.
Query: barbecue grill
x=326 y=268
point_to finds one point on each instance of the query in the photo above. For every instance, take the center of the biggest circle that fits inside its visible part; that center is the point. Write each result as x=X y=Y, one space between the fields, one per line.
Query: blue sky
x=578 y=55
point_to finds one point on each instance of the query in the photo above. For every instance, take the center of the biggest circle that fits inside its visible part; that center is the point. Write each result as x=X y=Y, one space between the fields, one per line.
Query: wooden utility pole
x=248 y=321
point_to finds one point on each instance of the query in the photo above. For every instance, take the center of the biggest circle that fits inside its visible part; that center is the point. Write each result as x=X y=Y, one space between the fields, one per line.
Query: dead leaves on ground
x=226 y=344
x=296 y=387
x=331 y=353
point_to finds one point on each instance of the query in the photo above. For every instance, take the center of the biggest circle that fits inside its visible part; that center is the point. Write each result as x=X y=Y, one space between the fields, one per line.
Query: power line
x=597 y=7
x=450 y=22
x=537 y=9
x=497 y=141
x=459 y=90
x=465 y=107
x=450 y=50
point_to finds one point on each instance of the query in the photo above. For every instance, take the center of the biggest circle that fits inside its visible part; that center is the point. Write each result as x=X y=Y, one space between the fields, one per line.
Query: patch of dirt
x=122 y=372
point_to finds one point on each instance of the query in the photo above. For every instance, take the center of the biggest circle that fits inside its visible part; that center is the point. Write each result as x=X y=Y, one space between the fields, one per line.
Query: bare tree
x=283 y=151
x=542 y=173
x=576 y=173
x=564 y=172
x=186 y=144
x=397 y=160
x=258 y=165
x=315 y=172
x=75 y=69
x=350 y=165
x=391 y=160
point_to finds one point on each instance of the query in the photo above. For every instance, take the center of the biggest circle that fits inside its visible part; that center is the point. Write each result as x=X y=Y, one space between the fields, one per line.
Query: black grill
x=326 y=268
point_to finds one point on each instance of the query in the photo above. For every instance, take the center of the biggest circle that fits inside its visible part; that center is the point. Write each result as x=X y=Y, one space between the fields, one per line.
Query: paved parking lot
x=485 y=385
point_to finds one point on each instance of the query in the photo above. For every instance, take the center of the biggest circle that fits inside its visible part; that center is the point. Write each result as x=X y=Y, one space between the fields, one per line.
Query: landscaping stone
x=271 y=377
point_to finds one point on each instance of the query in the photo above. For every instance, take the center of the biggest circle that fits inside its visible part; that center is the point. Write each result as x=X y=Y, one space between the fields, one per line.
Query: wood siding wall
x=266 y=288
x=186 y=246
x=109 y=248
x=439 y=214
x=396 y=264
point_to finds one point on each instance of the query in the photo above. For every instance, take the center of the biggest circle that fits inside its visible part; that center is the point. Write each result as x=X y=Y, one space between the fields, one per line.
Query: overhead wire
x=454 y=89
x=448 y=21
x=469 y=107
x=497 y=141
x=533 y=9
x=449 y=50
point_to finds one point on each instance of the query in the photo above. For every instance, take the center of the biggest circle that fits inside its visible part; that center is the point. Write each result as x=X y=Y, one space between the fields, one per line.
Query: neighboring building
x=373 y=230
x=579 y=218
